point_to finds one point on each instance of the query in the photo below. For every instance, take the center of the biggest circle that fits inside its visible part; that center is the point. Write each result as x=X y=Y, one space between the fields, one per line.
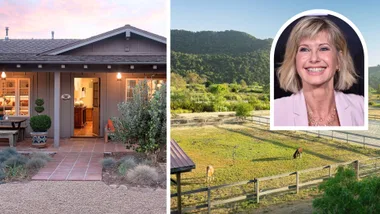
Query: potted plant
x=39 y=124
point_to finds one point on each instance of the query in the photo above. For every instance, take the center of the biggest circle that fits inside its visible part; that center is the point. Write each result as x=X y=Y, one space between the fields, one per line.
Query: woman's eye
x=303 y=50
x=325 y=49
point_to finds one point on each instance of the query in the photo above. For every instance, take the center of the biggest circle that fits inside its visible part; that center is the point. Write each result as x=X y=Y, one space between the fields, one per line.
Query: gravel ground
x=78 y=197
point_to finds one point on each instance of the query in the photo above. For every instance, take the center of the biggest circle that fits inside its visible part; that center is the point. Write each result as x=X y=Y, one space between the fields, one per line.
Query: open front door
x=96 y=107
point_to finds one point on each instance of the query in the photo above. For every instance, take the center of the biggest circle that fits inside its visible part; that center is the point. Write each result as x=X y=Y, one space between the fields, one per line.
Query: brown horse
x=209 y=173
x=298 y=153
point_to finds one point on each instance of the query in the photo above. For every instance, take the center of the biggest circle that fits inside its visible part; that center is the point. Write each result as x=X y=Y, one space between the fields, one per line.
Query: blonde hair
x=309 y=27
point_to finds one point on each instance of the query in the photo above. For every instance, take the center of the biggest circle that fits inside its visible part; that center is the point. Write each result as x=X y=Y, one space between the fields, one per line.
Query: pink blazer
x=291 y=111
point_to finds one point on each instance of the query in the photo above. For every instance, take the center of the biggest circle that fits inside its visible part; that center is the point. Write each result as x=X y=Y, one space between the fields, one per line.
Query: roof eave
x=127 y=30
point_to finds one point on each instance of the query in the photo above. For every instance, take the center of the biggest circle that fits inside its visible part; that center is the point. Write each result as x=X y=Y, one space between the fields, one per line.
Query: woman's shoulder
x=352 y=100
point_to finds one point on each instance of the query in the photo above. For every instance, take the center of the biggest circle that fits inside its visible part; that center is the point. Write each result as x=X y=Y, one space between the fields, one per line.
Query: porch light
x=3 y=75
x=132 y=67
x=118 y=76
x=109 y=66
x=154 y=67
x=18 y=66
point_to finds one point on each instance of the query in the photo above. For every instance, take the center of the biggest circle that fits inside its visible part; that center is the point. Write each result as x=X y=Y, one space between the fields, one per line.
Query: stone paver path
x=73 y=166
x=76 y=159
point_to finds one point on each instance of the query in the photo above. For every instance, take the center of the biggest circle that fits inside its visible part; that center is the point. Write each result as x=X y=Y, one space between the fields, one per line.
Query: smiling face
x=317 y=61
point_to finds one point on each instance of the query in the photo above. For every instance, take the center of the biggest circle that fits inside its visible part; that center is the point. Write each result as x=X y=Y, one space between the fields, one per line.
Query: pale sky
x=80 y=19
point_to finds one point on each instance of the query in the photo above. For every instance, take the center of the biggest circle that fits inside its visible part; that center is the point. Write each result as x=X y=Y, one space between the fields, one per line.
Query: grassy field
x=244 y=152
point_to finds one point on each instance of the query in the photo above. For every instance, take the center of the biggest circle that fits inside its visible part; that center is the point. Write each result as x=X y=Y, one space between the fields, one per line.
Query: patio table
x=14 y=122
x=16 y=125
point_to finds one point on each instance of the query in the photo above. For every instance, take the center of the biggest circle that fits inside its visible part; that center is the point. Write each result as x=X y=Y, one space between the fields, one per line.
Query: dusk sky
x=79 y=19
x=263 y=18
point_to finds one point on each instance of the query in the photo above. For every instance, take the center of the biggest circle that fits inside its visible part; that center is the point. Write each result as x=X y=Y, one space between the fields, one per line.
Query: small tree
x=243 y=110
x=142 y=122
x=344 y=194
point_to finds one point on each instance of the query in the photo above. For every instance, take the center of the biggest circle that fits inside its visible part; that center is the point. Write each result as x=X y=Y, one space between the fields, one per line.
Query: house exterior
x=49 y=69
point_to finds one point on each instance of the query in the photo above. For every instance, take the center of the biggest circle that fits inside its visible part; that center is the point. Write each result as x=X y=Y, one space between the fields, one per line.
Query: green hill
x=221 y=57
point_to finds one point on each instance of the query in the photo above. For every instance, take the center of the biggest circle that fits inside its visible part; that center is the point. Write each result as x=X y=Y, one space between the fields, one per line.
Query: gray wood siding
x=119 y=45
x=112 y=92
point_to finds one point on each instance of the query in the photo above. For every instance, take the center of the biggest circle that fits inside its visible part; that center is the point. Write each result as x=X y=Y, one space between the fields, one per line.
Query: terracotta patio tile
x=42 y=176
x=58 y=177
x=48 y=170
x=76 y=178
x=93 y=177
x=62 y=170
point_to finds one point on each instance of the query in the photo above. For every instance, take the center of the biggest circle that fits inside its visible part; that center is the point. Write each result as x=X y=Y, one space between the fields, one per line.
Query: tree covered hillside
x=221 y=57
x=374 y=77
x=209 y=42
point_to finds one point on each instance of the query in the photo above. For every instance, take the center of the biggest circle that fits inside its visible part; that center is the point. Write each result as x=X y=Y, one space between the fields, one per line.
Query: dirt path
x=299 y=207
x=78 y=197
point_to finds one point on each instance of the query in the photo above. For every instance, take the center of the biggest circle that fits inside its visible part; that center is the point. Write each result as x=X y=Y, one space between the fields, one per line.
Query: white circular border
x=318 y=12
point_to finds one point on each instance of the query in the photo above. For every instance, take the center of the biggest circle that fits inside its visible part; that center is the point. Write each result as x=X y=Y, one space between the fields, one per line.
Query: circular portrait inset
x=318 y=70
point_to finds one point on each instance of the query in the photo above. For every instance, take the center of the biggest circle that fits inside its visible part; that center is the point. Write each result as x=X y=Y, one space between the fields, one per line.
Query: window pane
x=131 y=84
x=9 y=98
x=24 y=98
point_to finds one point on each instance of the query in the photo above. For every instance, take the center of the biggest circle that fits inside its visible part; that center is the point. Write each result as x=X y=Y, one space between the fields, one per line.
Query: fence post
x=332 y=135
x=347 y=138
x=297 y=182
x=330 y=171
x=319 y=133
x=208 y=200
x=357 y=169
x=179 y=193
x=364 y=141
x=257 y=191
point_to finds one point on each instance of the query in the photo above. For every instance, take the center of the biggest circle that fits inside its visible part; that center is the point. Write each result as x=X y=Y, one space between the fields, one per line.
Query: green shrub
x=371 y=103
x=108 y=163
x=16 y=171
x=243 y=109
x=142 y=121
x=344 y=194
x=40 y=123
x=143 y=175
x=11 y=151
x=35 y=163
x=41 y=155
x=39 y=102
x=2 y=174
x=146 y=162
x=15 y=160
x=39 y=109
x=126 y=164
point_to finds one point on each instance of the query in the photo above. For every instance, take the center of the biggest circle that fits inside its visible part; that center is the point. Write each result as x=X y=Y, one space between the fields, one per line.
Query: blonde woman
x=317 y=66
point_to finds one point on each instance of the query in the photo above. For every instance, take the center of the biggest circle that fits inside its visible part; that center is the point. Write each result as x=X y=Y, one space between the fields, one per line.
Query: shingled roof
x=35 y=46
x=179 y=161
x=48 y=50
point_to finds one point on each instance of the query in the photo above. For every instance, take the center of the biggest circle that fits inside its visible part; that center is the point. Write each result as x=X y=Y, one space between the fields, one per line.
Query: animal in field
x=209 y=173
x=298 y=153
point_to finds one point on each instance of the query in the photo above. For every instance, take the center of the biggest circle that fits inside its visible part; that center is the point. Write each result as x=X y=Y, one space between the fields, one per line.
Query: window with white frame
x=15 y=96
x=153 y=84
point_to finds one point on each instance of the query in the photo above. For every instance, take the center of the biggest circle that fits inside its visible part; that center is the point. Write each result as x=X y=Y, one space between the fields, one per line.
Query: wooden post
x=57 y=104
x=208 y=200
x=364 y=141
x=357 y=169
x=330 y=171
x=297 y=182
x=179 y=202
x=257 y=191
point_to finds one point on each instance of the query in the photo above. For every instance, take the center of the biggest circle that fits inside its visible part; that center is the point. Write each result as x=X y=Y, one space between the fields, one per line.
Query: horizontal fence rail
x=362 y=169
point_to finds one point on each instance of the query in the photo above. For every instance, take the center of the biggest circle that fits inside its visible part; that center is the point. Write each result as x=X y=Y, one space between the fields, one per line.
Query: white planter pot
x=39 y=139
